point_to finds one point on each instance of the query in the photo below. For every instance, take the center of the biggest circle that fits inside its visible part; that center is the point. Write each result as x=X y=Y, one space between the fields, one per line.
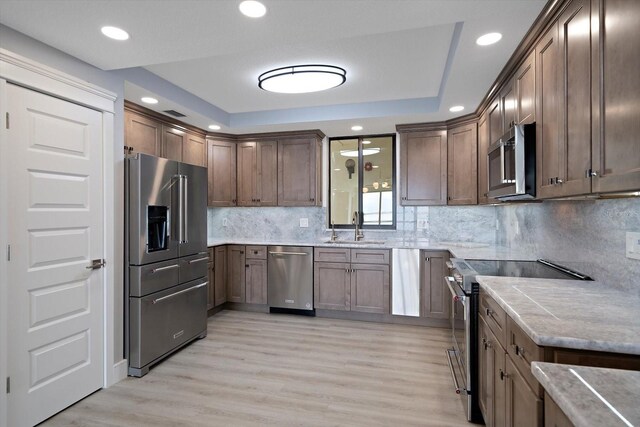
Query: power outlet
x=633 y=245
x=225 y=222
x=422 y=224
x=304 y=222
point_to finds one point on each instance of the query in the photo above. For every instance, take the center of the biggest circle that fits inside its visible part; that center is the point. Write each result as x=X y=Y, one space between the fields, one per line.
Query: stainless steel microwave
x=512 y=164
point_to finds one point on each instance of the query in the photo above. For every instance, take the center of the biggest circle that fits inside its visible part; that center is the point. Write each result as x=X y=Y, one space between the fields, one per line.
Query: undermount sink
x=358 y=242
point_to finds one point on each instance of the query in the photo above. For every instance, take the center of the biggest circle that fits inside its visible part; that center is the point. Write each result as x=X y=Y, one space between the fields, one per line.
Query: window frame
x=361 y=138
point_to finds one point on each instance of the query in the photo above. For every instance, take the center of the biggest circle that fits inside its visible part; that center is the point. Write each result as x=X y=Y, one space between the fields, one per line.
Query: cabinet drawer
x=332 y=254
x=494 y=317
x=523 y=351
x=370 y=256
x=256 y=252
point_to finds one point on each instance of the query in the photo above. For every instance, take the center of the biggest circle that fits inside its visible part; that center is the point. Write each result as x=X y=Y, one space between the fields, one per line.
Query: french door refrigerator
x=165 y=258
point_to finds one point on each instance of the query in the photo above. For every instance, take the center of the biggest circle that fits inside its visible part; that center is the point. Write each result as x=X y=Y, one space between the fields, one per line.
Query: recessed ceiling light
x=214 y=127
x=456 y=108
x=366 y=142
x=252 y=9
x=356 y=128
x=302 y=78
x=148 y=100
x=488 y=39
x=115 y=33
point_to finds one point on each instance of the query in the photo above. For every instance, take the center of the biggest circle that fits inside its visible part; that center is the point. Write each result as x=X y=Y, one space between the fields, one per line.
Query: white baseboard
x=118 y=373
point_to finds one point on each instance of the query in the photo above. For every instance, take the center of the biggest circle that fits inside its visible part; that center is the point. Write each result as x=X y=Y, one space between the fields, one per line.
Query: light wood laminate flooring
x=257 y=369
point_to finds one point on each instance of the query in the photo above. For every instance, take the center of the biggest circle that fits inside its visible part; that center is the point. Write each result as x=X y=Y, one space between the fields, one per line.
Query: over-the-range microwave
x=512 y=164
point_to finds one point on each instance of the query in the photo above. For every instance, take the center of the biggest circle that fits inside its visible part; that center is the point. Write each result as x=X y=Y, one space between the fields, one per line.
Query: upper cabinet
x=257 y=173
x=525 y=91
x=221 y=164
x=194 y=150
x=423 y=168
x=615 y=95
x=300 y=171
x=462 y=182
x=142 y=134
x=172 y=141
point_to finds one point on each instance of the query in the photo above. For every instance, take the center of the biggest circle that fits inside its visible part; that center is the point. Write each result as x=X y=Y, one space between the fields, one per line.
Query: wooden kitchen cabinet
x=172 y=141
x=220 y=275
x=256 y=274
x=435 y=300
x=525 y=91
x=495 y=120
x=462 y=171
x=194 y=150
x=508 y=106
x=236 y=273
x=423 y=168
x=257 y=179
x=553 y=415
x=483 y=162
x=300 y=172
x=142 y=134
x=491 y=379
x=211 y=279
x=221 y=164
x=615 y=101
x=523 y=406
x=347 y=286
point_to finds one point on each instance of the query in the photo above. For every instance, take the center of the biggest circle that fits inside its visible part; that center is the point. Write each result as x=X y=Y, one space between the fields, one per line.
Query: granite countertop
x=592 y=396
x=467 y=250
x=569 y=313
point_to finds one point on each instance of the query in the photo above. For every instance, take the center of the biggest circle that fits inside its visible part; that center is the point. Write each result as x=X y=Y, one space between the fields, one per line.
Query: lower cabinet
x=523 y=406
x=211 y=280
x=220 y=275
x=236 y=291
x=435 y=300
x=553 y=415
x=363 y=286
x=256 y=275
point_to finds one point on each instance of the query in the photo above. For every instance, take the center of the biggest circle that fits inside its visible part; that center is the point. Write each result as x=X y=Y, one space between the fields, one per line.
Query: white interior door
x=56 y=229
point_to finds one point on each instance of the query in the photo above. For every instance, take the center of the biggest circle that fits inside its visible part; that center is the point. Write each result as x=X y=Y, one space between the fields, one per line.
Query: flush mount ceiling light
x=356 y=128
x=456 y=108
x=488 y=39
x=214 y=127
x=302 y=78
x=149 y=100
x=115 y=33
x=252 y=9
x=354 y=153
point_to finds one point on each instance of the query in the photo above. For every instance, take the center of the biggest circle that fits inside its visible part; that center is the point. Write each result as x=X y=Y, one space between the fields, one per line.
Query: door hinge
x=7 y=120
x=8 y=385
x=8 y=252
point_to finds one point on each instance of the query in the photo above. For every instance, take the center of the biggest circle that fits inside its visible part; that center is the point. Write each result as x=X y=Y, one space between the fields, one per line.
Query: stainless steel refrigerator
x=166 y=258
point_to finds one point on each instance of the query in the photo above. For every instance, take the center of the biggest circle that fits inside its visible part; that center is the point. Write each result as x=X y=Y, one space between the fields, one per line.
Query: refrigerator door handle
x=185 y=208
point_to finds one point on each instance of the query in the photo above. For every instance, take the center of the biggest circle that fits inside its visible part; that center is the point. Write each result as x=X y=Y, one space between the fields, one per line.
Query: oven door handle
x=450 y=281
x=453 y=372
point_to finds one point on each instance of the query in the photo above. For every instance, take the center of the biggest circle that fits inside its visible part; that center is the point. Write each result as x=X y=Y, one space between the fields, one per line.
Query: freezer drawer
x=193 y=267
x=150 y=278
x=163 y=321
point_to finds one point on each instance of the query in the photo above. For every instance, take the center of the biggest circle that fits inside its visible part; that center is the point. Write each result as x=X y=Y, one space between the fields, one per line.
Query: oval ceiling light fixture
x=214 y=127
x=488 y=39
x=148 y=100
x=366 y=142
x=456 y=108
x=356 y=128
x=302 y=78
x=356 y=153
x=115 y=33
x=252 y=9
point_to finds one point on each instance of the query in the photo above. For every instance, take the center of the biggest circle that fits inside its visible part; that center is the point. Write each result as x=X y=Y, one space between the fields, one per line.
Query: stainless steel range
x=462 y=283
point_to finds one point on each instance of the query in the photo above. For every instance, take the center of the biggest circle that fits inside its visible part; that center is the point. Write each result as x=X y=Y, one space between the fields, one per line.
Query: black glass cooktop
x=534 y=269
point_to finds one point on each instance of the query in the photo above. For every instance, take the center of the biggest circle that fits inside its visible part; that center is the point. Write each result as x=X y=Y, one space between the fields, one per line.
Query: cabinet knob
x=503 y=375
x=559 y=181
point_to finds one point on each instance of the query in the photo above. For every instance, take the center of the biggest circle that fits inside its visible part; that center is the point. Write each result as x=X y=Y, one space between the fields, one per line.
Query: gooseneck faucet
x=356 y=220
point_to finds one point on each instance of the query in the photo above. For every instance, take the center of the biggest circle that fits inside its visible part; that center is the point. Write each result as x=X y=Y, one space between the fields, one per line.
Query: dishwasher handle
x=288 y=253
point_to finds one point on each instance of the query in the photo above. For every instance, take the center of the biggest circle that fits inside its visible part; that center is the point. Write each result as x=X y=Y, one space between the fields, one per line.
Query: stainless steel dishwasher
x=290 y=279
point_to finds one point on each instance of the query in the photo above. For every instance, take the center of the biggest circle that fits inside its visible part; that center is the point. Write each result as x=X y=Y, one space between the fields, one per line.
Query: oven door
x=459 y=326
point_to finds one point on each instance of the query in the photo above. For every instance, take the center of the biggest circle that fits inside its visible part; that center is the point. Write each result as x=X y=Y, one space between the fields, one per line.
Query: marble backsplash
x=588 y=236
x=435 y=223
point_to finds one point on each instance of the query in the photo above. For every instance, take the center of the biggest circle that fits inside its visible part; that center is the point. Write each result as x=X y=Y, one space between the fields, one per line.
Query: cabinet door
x=496 y=359
x=297 y=172
x=523 y=406
x=220 y=275
x=462 y=185
x=553 y=415
x=485 y=375
x=483 y=163
x=436 y=298
x=495 y=121
x=247 y=174
x=370 y=288
x=172 y=141
x=221 y=170
x=256 y=281
x=423 y=168
x=142 y=134
x=331 y=286
x=194 y=150
x=267 y=179
x=236 y=282
x=615 y=100
x=575 y=99
x=525 y=87
x=211 y=286
x=508 y=106
x=548 y=123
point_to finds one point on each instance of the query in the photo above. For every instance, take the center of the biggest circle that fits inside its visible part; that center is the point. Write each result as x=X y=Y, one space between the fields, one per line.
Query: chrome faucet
x=356 y=220
x=334 y=236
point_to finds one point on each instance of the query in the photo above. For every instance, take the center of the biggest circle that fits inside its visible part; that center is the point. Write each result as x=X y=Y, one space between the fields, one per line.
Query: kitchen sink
x=354 y=242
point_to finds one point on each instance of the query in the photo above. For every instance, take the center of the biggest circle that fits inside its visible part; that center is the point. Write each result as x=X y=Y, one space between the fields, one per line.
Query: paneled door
x=56 y=221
